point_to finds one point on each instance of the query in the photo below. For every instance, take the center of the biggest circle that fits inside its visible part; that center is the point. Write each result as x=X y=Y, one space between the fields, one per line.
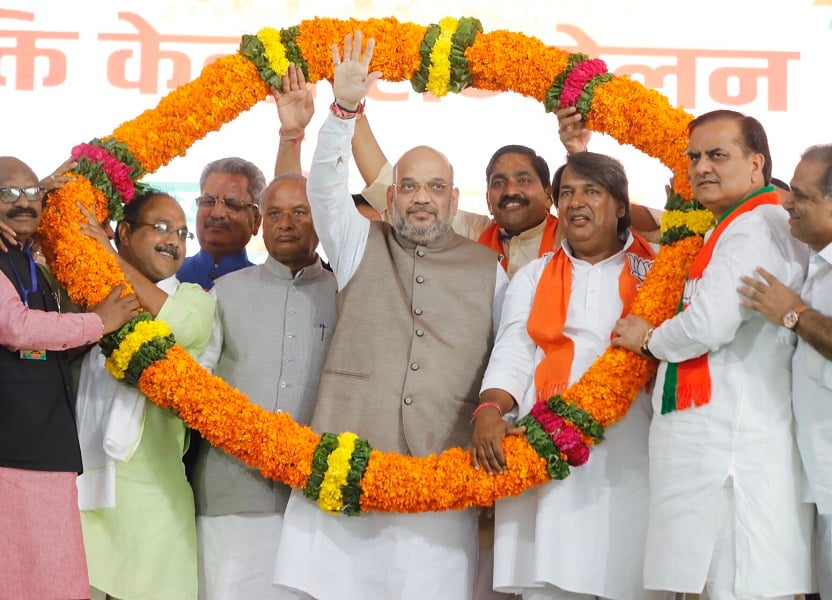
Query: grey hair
x=234 y=165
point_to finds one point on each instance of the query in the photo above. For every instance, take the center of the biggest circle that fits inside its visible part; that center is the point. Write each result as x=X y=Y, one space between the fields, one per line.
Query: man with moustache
x=810 y=315
x=725 y=507
x=520 y=227
x=226 y=218
x=408 y=383
x=137 y=506
x=42 y=552
x=277 y=321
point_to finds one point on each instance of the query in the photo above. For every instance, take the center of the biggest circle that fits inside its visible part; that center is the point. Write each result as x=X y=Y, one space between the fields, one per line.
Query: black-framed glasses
x=166 y=229
x=10 y=195
x=408 y=187
x=231 y=204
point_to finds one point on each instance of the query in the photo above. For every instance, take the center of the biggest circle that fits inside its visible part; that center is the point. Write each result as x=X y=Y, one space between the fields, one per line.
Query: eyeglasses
x=409 y=188
x=231 y=204
x=10 y=195
x=166 y=229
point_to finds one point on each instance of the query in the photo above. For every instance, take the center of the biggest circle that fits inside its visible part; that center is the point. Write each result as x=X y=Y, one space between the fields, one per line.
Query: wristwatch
x=791 y=318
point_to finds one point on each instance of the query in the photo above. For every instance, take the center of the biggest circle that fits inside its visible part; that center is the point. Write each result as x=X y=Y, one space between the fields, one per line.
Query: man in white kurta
x=583 y=536
x=384 y=556
x=725 y=507
x=808 y=314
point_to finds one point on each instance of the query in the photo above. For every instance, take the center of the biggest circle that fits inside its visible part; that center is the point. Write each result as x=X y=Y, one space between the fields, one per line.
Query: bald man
x=407 y=382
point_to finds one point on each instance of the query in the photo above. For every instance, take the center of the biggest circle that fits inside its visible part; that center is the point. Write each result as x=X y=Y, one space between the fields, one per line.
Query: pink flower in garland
x=578 y=455
x=577 y=79
x=117 y=172
x=547 y=419
x=567 y=438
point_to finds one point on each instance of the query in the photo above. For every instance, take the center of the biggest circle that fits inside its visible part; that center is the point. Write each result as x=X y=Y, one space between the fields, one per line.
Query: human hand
x=629 y=333
x=115 y=310
x=7 y=237
x=487 y=440
x=295 y=103
x=59 y=177
x=573 y=133
x=769 y=297
x=352 y=80
x=92 y=228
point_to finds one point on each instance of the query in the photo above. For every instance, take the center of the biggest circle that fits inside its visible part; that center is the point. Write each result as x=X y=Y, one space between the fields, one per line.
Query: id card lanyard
x=32 y=274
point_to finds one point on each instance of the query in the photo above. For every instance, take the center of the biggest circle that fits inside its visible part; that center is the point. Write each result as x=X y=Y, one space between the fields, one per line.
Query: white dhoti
x=377 y=556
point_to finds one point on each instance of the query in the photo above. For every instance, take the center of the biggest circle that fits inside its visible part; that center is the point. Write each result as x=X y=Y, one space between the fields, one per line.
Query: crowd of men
x=430 y=328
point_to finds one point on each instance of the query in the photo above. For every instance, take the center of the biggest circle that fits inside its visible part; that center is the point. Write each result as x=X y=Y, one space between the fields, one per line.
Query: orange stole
x=490 y=237
x=548 y=314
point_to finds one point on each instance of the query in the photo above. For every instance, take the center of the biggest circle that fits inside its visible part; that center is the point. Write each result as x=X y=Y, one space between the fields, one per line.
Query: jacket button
x=408 y=400
x=414 y=366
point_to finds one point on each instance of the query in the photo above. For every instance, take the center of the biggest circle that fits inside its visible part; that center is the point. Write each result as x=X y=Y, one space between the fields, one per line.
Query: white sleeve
x=341 y=229
x=211 y=354
x=715 y=311
x=512 y=363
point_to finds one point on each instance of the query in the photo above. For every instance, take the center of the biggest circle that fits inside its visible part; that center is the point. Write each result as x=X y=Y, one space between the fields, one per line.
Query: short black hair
x=754 y=137
x=541 y=167
x=604 y=170
x=133 y=209
x=779 y=183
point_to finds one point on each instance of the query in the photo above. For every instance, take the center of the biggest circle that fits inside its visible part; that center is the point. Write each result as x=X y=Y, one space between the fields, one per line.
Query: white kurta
x=812 y=404
x=584 y=534
x=743 y=437
x=375 y=556
x=813 y=391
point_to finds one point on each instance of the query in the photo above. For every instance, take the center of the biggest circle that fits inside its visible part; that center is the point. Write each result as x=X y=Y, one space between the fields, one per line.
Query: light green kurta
x=145 y=547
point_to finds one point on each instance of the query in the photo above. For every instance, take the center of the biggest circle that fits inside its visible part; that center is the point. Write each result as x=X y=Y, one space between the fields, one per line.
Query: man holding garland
x=407 y=383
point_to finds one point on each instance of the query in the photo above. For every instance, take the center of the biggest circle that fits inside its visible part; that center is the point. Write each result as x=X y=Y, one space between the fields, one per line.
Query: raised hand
x=352 y=77
x=58 y=178
x=573 y=133
x=295 y=104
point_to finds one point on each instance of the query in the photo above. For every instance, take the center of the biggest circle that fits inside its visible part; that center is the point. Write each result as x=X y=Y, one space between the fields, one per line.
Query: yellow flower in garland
x=331 y=498
x=697 y=221
x=439 y=75
x=273 y=442
x=144 y=331
x=274 y=49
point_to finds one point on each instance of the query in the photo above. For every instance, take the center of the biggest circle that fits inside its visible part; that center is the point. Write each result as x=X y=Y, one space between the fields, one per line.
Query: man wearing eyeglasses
x=227 y=217
x=407 y=382
x=42 y=552
x=137 y=506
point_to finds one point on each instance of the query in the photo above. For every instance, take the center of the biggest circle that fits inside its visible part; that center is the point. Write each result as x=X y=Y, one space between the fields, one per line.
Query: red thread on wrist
x=345 y=113
x=486 y=405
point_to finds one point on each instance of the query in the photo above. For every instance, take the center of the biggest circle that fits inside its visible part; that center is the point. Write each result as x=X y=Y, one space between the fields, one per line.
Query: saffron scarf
x=492 y=239
x=688 y=383
x=551 y=302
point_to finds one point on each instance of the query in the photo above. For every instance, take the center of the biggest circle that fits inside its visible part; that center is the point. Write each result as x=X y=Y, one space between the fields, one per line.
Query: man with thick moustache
x=42 y=550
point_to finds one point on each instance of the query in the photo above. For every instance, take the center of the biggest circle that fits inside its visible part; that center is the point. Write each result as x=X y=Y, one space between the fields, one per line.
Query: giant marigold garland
x=341 y=472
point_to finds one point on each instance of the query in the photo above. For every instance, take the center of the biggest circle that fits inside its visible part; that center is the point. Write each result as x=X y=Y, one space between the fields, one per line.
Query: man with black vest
x=42 y=553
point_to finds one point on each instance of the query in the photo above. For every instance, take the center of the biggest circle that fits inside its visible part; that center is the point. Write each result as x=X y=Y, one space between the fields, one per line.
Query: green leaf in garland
x=584 y=103
x=419 y=81
x=151 y=351
x=351 y=492
x=675 y=234
x=288 y=38
x=328 y=443
x=252 y=48
x=550 y=103
x=466 y=33
x=111 y=341
x=545 y=447
x=578 y=417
